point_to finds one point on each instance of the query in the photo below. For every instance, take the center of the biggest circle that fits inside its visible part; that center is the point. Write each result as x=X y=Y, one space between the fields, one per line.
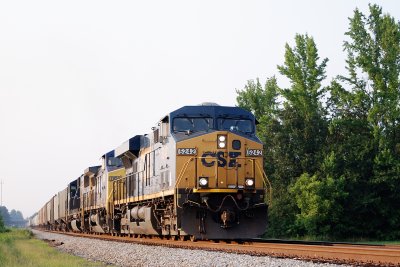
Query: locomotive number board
x=254 y=153
x=186 y=151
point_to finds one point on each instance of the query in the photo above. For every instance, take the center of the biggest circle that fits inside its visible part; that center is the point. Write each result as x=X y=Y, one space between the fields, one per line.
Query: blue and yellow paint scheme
x=198 y=174
x=222 y=191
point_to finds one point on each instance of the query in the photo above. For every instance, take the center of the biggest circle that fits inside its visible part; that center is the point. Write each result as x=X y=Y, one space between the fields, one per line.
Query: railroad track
x=341 y=253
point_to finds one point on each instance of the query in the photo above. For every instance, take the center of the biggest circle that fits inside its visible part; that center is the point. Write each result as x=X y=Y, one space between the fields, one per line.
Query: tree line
x=332 y=152
x=13 y=218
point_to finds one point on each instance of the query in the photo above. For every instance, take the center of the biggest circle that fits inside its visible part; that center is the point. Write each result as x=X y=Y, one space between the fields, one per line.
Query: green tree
x=16 y=215
x=261 y=100
x=335 y=167
x=319 y=199
x=303 y=114
x=349 y=139
x=368 y=119
x=5 y=215
x=2 y=227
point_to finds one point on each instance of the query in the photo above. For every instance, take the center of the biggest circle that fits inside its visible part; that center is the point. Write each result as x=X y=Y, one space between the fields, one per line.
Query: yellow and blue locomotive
x=198 y=174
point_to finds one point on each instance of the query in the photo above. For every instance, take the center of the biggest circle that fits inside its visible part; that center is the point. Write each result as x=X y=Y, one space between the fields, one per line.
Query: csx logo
x=220 y=156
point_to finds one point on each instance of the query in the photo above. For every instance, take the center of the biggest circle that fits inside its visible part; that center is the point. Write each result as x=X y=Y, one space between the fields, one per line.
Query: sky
x=78 y=78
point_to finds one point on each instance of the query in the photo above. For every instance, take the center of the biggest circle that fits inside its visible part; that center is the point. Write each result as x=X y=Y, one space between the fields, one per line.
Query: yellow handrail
x=183 y=170
x=266 y=181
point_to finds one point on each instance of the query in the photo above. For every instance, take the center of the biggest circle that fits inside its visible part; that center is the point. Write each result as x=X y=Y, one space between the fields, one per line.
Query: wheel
x=193 y=238
x=182 y=237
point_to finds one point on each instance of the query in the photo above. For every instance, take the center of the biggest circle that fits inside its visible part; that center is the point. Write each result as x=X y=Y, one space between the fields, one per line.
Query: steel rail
x=342 y=253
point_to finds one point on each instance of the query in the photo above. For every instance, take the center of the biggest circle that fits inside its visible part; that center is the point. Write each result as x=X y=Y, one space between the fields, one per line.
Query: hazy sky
x=78 y=78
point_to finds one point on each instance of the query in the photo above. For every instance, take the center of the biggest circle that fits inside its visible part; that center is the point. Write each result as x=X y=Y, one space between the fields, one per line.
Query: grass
x=19 y=248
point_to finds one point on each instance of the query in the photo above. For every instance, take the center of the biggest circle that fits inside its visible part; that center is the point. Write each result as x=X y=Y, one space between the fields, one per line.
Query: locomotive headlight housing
x=203 y=182
x=249 y=182
x=221 y=141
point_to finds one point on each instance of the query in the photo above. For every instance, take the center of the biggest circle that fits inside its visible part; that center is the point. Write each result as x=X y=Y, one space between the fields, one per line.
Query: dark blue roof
x=109 y=154
x=212 y=111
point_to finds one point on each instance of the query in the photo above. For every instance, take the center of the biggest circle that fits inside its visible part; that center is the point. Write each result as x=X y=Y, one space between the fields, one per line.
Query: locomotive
x=198 y=174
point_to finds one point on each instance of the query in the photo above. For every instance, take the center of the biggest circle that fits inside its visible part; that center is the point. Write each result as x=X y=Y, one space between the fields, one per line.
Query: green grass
x=19 y=248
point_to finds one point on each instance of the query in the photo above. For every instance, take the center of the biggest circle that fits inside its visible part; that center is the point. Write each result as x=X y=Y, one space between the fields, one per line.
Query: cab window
x=235 y=125
x=189 y=125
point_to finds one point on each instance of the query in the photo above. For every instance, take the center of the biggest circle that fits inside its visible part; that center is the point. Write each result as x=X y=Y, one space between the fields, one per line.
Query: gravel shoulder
x=125 y=254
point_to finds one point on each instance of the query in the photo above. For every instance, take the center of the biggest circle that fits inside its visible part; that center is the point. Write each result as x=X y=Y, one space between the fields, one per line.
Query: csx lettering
x=220 y=157
x=204 y=160
x=233 y=156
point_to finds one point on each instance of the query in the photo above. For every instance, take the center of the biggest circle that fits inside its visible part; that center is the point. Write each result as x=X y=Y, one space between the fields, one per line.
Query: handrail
x=123 y=179
x=183 y=170
x=265 y=180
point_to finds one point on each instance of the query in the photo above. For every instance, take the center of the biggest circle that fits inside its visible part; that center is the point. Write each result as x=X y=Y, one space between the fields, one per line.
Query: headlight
x=203 y=181
x=249 y=182
x=221 y=140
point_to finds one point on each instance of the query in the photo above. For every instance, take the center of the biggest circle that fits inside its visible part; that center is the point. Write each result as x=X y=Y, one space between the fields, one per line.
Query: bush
x=2 y=227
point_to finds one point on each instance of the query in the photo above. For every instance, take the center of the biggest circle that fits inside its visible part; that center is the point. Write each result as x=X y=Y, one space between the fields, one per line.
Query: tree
x=349 y=138
x=16 y=216
x=335 y=164
x=5 y=215
x=303 y=114
x=2 y=227
x=368 y=118
x=17 y=219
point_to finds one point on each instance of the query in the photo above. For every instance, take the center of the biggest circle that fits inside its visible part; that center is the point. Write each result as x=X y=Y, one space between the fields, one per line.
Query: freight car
x=198 y=174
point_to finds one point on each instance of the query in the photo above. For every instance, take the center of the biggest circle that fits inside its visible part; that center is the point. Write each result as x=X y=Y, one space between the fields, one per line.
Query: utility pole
x=1 y=192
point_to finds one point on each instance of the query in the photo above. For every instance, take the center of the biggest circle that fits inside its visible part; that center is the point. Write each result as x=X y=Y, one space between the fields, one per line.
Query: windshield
x=192 y=124
x=238 y=125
